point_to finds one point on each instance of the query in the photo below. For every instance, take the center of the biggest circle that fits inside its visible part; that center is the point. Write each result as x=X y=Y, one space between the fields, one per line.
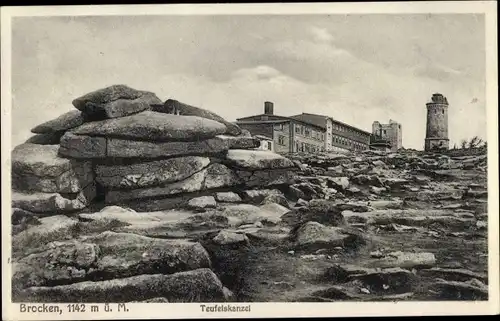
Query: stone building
x=392 y=132
x=339 y=136
x=436 y=136
x=305 y=132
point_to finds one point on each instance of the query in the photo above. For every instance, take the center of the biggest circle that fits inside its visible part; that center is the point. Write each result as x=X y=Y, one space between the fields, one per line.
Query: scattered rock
x=201 y=203
x=461 y=290
x=313 y=236
x=254 y=159
x=227 y=197
x=227 y=238
x=258 y=195
x=377 y=254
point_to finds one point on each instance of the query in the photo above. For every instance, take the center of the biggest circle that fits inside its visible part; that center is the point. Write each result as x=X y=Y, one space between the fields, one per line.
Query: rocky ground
x=233 y=223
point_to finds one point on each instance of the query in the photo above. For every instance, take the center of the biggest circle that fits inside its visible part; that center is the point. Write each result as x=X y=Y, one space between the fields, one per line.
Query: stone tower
x=436 y=136
x=391 y=132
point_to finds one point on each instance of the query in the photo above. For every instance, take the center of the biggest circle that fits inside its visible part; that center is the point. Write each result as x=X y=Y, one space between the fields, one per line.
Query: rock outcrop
x=120 y=148
x=128 y=199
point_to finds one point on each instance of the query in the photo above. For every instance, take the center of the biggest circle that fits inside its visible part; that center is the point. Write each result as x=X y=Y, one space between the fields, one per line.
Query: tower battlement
x=438 y=98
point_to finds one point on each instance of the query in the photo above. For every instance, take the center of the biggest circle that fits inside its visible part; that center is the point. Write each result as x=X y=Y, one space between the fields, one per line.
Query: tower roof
x=438 y=98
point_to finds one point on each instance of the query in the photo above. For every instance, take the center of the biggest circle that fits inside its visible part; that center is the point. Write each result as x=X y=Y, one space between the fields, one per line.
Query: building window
x=281 y=140
x=307 y=132
x=269 y=145
x=442 y=111
x=297 y=129
x=302 y=130
x=302 y=147
x=281 y=126
x=385 y=132
x=322 y=137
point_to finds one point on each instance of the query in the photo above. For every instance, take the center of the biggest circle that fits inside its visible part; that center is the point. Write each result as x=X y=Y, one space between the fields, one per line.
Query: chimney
x=268 y=108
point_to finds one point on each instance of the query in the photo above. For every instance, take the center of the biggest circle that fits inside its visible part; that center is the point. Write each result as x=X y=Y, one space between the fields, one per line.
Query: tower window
x=442 y=111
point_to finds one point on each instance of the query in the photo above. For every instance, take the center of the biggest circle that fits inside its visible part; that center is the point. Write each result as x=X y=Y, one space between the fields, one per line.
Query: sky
x=354 y=68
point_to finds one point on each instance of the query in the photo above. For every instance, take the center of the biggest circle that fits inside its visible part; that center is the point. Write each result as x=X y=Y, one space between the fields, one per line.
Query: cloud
x=369 y=69
x=437 y=72
x=321 y=35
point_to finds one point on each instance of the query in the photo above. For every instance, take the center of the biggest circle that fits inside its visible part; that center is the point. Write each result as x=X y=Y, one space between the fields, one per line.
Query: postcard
x=249 y=160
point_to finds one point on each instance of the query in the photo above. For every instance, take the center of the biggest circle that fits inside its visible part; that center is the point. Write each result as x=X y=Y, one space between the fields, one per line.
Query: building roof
x=320 y=119
x=278 y=119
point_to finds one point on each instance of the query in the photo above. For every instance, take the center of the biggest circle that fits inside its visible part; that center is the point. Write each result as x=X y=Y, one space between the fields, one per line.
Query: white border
x=340 y=309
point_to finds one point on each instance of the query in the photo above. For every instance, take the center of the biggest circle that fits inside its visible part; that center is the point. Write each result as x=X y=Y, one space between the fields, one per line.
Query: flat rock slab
x=314 y=236
x=240 y=142
x=114 y=101
x=61 y=262
x=142 y=149
x=275 y=208
x=50 y=203
x=239 y=214
x=154 y=127
x=255 y=159
x=172 y=223
x=51 y=228
x=82 y=147
x=38 y=168
x=461 y=290
x=200 y=285
x=151 y=173
x=409 y=217
x=108 y=255
x=62 y=123
x=454 y=274
x=45 y=139
x=406 y=260
x=214 y=176
x=127 y=254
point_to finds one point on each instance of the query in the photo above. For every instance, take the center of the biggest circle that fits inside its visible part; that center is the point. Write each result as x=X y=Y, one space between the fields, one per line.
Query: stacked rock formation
x=125 y=147
x=136 y=151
